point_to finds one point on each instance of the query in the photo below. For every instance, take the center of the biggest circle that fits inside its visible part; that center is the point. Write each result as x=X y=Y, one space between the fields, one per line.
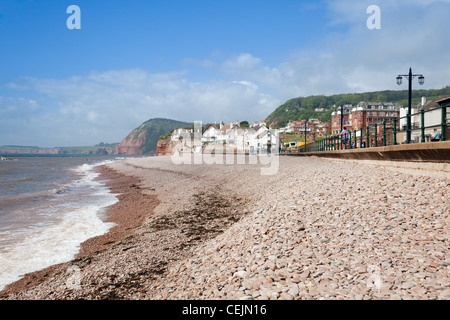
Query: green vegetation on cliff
x=304 y=107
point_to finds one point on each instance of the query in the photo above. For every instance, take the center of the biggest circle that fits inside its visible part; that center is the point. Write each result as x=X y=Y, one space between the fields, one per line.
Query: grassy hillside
x=81 y=149
x=303 y=107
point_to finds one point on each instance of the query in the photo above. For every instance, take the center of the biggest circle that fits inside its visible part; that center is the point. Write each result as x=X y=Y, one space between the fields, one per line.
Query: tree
x=244 y=124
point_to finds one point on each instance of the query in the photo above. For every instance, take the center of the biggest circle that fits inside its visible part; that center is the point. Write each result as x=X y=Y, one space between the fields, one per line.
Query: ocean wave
x=58 y=191
x=55 y=244
x=72 y=211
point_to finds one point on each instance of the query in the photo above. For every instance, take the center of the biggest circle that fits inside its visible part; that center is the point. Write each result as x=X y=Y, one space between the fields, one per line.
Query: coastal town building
x=415 y=118
x=313 y=127
x=231 y=137
x=432 y=117
x=210 y=132
x=299 y=126
x=336 y=118
x=178 y=134
x=363 y=115
x=371 y=113
x=321 y=129
x=260 y=138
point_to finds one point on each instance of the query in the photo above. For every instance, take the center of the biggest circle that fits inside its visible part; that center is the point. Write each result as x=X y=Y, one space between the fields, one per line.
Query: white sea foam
x=78 y=220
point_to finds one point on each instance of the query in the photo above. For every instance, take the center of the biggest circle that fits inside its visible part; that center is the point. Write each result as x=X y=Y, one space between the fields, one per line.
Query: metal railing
x=382 y=134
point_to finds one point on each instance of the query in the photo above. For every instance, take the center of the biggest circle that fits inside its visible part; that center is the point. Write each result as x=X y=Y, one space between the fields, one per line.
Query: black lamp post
x=342 y=118
x=409 y=76
x=342 y=115
x=306 y=123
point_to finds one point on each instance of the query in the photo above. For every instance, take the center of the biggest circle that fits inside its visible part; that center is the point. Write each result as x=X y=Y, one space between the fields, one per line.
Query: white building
x=415 y=119
x=211 y=132
x=231 y=137
x=432 y=119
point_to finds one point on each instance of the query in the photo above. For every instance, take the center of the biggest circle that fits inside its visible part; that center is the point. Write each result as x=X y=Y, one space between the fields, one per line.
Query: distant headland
x=99 y=149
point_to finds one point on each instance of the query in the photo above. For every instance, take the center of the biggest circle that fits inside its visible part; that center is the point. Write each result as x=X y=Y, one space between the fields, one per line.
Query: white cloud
x=356 y=59
x=243 y=62
x=246 y=66
x=106 y=106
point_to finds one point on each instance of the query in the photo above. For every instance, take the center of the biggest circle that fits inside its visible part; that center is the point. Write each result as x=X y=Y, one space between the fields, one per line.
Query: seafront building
x=363 y=115
x=233 y=138
x=336 y=118
x=432 y=120
x=223 y=137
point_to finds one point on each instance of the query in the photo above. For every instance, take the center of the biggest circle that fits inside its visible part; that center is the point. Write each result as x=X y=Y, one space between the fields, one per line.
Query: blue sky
x=153 y=35
x=206 y=60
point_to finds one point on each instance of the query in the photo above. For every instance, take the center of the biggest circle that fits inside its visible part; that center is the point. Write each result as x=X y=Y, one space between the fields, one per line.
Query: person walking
x=344 y=137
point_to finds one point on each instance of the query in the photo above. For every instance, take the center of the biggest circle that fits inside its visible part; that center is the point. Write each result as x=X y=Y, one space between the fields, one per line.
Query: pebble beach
x=317 y=229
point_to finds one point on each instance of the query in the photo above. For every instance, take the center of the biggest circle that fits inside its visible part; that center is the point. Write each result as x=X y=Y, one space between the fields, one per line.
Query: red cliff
x=165 y=147
x=131 y=144
x=144 y=139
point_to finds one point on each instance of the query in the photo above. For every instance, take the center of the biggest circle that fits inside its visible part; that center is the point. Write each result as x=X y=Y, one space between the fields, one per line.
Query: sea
x=49 y=205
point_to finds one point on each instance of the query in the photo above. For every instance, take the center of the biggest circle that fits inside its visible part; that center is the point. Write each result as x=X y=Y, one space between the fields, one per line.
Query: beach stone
x=408 y=285
x=293 y=291
x=286 y=296
x=444 y=295
x=240 y=274
x=362 y=269
x=271 y=265
x=313 y=291
x=296 y=278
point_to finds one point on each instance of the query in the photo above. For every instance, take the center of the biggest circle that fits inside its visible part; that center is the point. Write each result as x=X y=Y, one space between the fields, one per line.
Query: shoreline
x=226 y=232
x=159 y=226
x=127 y=214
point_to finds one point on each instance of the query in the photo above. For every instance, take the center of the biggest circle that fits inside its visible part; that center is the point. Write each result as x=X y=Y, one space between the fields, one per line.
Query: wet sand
x=133 y=207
